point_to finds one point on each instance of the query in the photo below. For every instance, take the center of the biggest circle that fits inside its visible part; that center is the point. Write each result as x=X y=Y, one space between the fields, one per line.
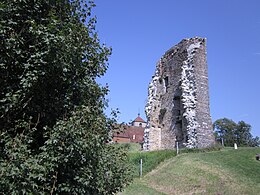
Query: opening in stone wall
x=166 y=82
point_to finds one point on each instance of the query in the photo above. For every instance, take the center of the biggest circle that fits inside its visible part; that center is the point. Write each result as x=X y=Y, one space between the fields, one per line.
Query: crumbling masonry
x=178 y=100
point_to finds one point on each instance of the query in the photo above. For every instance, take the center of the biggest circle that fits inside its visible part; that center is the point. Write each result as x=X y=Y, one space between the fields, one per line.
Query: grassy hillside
x=220 y=172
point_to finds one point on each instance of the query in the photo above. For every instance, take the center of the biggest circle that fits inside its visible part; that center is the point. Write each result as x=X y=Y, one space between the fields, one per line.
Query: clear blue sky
x=140 y=31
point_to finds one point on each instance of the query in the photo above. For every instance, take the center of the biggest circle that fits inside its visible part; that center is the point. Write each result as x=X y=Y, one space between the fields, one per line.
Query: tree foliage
x=52 y=121
x=232 y=132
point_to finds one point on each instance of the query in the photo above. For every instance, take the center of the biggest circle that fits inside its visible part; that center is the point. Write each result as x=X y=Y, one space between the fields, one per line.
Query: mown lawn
x=227 y=171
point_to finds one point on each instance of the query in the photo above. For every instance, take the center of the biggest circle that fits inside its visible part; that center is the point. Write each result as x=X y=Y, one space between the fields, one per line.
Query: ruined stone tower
x=178 y=100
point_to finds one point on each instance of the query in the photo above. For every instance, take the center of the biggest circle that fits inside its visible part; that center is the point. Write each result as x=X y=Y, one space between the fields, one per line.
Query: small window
x=133 y=136
x=140 y=124
x=166 y=82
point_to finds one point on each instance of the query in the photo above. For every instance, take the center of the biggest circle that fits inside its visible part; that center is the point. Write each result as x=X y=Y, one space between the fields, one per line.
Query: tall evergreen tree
x=52 y=121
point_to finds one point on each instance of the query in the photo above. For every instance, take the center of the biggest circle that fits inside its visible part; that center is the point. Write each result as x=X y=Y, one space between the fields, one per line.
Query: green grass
x=130 y=147
x=134 y=147
x=150 y=160
x=140 y=188
x=219 y=172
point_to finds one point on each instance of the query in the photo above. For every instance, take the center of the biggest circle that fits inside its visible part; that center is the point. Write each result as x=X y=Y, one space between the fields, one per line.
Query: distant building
x=139 y=122
x=133 y=133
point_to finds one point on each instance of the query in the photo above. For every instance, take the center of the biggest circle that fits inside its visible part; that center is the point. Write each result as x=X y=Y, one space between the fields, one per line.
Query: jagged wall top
x=178 y=102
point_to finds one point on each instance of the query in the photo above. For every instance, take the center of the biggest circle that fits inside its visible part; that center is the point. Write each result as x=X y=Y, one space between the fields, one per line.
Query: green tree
x=53 y=127
x=225 y=129
x=232 y=132
x=255 y=142
x=243 y=135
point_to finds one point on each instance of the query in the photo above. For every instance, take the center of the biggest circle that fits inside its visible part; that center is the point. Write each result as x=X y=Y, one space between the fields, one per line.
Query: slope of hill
x=220 y=172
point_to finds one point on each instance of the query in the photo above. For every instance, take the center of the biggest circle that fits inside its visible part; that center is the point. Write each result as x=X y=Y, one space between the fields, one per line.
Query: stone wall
x=178 y=101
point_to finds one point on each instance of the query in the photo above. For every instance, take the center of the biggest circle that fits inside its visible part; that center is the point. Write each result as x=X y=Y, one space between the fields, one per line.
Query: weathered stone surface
x=178 y=101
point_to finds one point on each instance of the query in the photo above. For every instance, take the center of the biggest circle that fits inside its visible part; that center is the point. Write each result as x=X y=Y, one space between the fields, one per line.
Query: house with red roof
x=139 y=122
x=132 y=133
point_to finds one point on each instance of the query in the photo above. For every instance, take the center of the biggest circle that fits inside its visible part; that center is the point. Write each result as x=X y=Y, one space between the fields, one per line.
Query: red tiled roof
x=139 y=119
x=132 y=132
x=122 y=134
x=137 y=133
